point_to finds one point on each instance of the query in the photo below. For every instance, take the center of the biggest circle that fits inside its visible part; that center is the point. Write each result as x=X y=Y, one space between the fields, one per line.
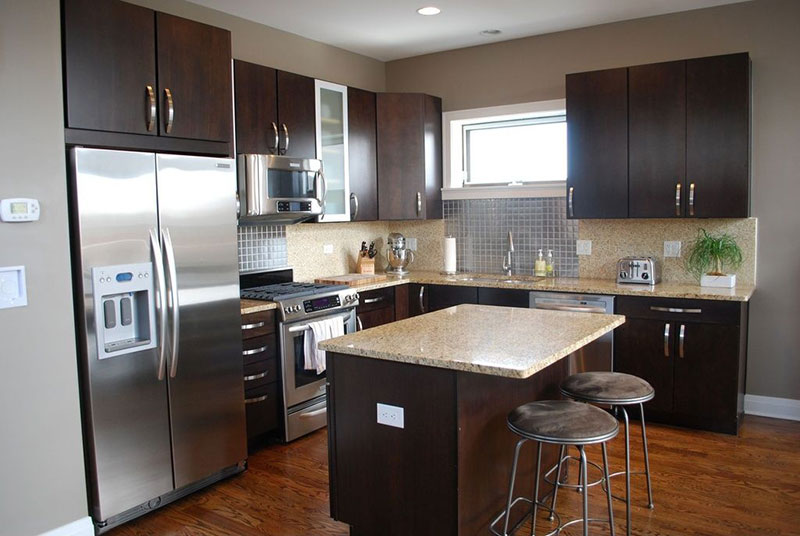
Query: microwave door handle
x=323 y=182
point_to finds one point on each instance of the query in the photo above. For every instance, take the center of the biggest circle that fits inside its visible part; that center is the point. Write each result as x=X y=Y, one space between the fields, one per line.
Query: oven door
x=301 y=385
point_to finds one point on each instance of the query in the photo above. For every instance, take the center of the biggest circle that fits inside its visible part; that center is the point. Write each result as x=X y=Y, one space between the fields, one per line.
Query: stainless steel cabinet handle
x=256 y=325
x=151 y=109
x=255 y=377
x=354 y=200
x=170 y=110
x=277 y=138
x=419 y=203
x=360 y=325
x=675 y=310
x=255 y=351
x=421 y=299
x=285 y=138
x=691 y=199
x=666 y=340
x=570 y=308
x=678 y=199
x=374 y=300
x=681 y=339
x=257 y=399
x=569 y=202
x=172 y=301
x=161 y=302
x=314 y=413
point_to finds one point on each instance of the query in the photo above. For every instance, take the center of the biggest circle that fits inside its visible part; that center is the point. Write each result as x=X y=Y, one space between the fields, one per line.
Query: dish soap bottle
x=549 y=267
x=539 y=266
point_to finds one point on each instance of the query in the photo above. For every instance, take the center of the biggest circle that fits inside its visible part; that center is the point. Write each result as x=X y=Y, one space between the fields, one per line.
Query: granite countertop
x=256 y=306
x=499 y=341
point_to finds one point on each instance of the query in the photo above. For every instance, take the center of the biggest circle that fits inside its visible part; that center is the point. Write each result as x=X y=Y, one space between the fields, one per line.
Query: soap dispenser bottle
x=549 y=266
x=540 y=267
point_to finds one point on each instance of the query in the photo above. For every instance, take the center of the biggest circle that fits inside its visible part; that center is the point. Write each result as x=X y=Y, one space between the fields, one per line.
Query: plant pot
x=719 y=281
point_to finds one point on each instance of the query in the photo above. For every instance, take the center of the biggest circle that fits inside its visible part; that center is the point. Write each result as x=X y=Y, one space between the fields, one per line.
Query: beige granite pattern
x=256 y=306
x=613 y=239
x=500 y=341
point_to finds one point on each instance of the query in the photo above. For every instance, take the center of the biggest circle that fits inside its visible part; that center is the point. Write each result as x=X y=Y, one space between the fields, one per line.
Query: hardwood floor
x=703 y=484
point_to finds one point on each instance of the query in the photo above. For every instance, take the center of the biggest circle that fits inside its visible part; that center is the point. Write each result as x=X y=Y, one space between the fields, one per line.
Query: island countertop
x=499 y=341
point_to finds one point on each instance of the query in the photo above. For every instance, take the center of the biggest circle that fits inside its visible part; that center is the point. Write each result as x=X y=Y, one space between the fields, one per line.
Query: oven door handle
x=315 y=413
x=306 y=327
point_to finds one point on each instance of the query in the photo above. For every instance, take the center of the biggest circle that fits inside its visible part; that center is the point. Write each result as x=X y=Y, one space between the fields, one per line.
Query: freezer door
x=125 y=403
x=197 y=213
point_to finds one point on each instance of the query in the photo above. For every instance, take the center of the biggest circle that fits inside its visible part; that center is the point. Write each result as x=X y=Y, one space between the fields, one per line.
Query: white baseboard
x=768 y=406
x=79 y=527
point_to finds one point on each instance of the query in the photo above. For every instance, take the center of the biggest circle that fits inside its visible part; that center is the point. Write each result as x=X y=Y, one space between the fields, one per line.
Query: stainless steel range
x=304 y=407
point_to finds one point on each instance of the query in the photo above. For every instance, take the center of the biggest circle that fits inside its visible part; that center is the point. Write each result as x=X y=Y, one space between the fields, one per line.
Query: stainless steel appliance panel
x=197 y=213
x=125 y=403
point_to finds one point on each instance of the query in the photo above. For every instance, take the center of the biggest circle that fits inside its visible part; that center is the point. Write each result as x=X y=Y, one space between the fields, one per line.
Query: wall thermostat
x=19 y=210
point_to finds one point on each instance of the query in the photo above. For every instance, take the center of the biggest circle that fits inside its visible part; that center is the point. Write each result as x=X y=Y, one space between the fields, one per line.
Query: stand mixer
x=398 y=256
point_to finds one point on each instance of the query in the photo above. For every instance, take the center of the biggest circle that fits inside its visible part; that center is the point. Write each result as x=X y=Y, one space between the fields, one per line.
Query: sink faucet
x=508 y=261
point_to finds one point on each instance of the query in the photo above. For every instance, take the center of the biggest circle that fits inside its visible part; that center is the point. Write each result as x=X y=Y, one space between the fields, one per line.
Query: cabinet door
x=333 y=148
x=597 y=144
x=417 y=299
x=363 y=155
x=504 y=296
x=657 y=142
x=194 y=69
x=376 y=317
x=109 y=63
x=706 y=372
x=401 y=155
x=644 y=348
x=257 y=124
x=297 y=115
x=444 y=296
x=718 y=136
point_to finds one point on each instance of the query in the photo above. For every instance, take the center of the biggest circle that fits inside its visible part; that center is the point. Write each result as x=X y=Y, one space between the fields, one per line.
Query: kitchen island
x=441 y=464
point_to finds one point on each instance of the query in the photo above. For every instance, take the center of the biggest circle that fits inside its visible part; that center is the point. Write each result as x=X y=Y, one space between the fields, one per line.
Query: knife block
x=365 y=265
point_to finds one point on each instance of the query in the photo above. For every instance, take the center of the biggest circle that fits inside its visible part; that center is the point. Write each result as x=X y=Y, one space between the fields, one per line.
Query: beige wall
x=268 y=46
x=42 y=483
x=533 y=69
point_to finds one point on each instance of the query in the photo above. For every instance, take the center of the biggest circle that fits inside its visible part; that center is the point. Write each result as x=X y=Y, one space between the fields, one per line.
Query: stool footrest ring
x=527 y=516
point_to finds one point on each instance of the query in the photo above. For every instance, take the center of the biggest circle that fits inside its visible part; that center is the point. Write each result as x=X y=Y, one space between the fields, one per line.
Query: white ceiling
x=391 y=29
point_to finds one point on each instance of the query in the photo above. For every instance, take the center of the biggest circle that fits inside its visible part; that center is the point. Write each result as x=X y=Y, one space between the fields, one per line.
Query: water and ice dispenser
x=124 y=308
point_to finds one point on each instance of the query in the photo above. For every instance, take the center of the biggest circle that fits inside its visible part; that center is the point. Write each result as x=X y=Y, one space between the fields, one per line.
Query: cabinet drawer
x=261 y=407
x=376 y=299
x=671 y=309
x=259 y=374
x=257 y=324
x=259 y=348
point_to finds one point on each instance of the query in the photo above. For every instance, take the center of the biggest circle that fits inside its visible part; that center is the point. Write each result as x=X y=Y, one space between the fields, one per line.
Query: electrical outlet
x=411 y=243
x=672 y=248
x=391 y=415
x=327 y=249
x=583 y=247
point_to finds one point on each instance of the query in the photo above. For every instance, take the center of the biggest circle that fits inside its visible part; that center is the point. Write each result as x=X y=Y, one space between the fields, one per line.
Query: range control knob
x=296 y=308
x=287 y=309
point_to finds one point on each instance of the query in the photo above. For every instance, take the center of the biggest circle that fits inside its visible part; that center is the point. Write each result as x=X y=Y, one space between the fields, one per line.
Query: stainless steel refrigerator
x=157 y=294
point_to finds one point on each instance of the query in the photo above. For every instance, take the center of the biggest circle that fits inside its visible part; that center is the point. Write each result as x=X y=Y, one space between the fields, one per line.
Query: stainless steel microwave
x=279 y=189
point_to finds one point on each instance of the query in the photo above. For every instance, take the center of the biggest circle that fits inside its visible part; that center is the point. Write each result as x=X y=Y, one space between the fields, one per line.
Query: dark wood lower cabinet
x=428 y=298
x=261 y=372
x=506 y=297
x=375 y=308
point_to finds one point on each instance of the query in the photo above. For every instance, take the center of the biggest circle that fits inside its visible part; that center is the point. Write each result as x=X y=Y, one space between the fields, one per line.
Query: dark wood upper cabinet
x=718 y=136
x=597 y=144
x=109 y=63
x=409 y=156
x=657 y=142
x=297 y=115
x=256 y=97
x=362 y=132
x=194 y=79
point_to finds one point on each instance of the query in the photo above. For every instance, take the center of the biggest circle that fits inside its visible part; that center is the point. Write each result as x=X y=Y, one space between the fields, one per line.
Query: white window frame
x=452 y=123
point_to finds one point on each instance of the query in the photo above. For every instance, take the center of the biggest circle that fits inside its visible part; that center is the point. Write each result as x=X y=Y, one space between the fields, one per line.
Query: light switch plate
x=391 y=415
x=583 y=247
x=411 y=243
x=327 y=249
x=13 y=291
x=672 y=248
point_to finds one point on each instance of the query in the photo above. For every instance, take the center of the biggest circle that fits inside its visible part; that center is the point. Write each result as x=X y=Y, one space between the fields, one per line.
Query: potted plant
x=709 y=254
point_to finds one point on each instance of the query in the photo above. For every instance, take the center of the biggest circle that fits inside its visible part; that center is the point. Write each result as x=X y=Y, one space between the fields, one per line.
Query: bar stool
x=617 y=390
x=558 y=422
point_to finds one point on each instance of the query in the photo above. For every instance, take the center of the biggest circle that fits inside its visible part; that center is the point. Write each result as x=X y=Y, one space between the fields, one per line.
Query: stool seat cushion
x=563 y=422
x=607 y=388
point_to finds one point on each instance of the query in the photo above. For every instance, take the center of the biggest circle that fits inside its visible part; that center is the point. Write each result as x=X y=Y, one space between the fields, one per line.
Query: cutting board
x=353 y=280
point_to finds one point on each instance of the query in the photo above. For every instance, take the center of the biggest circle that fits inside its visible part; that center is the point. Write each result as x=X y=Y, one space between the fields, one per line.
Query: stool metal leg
x=535 y=506
x=511 y=483
x=585 y=494
x=557 y=482
x=608 y=490
x=646 y=459
x=627 y=471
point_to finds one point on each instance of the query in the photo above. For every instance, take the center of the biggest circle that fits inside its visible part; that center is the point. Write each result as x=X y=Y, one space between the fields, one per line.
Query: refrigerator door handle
x=174 y=306
x=161 y=302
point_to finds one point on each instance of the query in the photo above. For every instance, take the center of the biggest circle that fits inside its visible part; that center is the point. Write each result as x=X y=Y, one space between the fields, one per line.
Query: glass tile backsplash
x=262 y=247
x=481 y=227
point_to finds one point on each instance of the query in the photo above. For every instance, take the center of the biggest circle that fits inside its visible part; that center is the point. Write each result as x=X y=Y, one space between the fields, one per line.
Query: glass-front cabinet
x=332 y=149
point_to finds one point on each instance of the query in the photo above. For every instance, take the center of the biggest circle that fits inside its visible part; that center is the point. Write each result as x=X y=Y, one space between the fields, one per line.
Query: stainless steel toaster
x=638 y=270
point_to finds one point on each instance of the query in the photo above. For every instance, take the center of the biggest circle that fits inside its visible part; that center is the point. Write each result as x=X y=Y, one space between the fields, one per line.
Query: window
x=506 y=151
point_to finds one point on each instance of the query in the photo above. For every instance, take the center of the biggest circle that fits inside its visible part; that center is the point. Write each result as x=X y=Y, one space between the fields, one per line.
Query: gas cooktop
x=287 y=291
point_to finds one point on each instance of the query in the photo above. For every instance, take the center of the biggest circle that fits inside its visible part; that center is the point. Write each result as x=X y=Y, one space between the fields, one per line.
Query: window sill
x=544 y=189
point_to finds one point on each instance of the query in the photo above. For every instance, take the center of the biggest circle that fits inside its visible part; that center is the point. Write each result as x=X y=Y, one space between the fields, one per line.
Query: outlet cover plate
x=672 y=248
x=411 y=243
x=327 y=249
x=583 y=247
x=391 y=415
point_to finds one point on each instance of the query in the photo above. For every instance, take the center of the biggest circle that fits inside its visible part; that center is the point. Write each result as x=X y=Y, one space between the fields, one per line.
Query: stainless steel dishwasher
x=597 y=355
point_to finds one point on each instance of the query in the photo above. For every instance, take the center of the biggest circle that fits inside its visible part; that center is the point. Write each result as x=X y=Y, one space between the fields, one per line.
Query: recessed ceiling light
x=430 y=10
x=491 y=32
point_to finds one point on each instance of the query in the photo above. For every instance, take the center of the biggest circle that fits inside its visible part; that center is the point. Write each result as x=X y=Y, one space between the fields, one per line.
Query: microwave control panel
x=294 y=206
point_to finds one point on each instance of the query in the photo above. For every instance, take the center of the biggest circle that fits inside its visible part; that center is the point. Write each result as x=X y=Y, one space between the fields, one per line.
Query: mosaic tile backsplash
x=481 y=228
x=262 y=247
